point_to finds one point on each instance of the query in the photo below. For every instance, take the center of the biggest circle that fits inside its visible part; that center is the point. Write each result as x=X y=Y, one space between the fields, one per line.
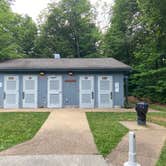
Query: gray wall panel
x=77 y=91
x=96 y=91
x=118 y=96
x=42 y=91
x=70 y=90
x=20 y=91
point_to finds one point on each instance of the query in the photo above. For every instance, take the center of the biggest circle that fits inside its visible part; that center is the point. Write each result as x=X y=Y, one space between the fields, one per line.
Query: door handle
x=92 y=95
x=23 y=95
x=111 y=95
x=4 y=95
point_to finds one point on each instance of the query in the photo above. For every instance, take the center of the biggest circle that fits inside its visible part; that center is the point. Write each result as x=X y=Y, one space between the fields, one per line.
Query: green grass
x=161 y=121
x=158 y=107
x=19 y=127
x=157 y=117
x=162 y=159
x=108 y=132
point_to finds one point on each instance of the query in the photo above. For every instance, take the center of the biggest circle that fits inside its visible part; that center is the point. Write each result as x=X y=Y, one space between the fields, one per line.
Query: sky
x=34 y=7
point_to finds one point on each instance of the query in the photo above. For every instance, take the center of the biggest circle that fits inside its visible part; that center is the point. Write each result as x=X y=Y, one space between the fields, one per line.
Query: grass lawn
x=19 y=127
x=162 y=160
x=108 y=132
x=158 y=107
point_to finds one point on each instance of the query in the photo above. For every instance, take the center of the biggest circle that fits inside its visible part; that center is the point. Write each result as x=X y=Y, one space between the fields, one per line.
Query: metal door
x=29 y=91
x=86 y=91
x=54 y=91
x=11 y=91
x=105 y=91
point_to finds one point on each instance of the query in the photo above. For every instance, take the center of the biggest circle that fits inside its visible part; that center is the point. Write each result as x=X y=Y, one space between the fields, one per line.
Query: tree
x=137 y=36
x=151 y=47
x=17 y=33
x=119 y=38
x=24 y=31
x=69 y=30
x=8 y=47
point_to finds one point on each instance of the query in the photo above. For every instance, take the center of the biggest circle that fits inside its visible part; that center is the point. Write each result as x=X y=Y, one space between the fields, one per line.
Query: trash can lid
x=142 y=103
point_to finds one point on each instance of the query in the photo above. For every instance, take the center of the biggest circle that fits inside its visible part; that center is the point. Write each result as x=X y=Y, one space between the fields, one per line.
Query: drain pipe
x=132 y=151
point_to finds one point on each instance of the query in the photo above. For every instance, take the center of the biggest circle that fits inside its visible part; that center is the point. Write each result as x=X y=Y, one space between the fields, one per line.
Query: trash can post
x=132 y=161
x=141 y=109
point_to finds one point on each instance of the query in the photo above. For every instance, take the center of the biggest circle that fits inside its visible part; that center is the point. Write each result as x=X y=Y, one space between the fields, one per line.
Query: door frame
x=92 y=92
x=110 y=93
x=36 y=91
x=60 y=92
x=17 y=90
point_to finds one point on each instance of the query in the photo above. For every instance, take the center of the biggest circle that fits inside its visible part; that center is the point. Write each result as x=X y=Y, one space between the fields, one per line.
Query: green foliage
x=150 y=84
x=119 y=40
x=24 y=31
x=69 y=30
x=17 y=33
x=137 y=36
x=151 y=47
x=8 y=47
x=16 y=128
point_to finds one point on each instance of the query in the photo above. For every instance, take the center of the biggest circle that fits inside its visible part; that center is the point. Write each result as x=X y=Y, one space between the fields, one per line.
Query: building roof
x=63 y=64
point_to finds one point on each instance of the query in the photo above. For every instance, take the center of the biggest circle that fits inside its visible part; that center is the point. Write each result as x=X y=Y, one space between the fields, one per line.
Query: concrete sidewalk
x=53 y=160
x=64 y=132
x=149 y=142
x=73 y=109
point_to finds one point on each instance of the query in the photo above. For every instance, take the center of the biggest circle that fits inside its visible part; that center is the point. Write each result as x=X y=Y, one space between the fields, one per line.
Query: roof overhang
x=12 y=70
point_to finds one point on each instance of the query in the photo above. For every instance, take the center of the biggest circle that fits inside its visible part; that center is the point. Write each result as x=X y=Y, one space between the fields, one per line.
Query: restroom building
x=63 y=82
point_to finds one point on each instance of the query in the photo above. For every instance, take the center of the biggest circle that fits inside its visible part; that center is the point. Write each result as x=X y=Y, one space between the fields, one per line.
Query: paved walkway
x=53 y=160
x=63 y=133
x=149 y=142
x=73 y=109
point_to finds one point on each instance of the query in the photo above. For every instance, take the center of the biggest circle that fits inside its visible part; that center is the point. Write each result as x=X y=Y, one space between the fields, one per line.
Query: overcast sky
x=34 y=7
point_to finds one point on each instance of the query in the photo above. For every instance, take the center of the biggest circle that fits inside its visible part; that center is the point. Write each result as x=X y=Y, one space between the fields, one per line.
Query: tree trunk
x=77 y=46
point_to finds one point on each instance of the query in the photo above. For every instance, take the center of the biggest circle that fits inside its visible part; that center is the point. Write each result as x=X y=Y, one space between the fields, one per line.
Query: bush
x=150 y=84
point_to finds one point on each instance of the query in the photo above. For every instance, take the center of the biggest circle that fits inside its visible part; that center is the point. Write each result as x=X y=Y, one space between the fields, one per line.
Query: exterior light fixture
x=42 y=73
x=70 y=73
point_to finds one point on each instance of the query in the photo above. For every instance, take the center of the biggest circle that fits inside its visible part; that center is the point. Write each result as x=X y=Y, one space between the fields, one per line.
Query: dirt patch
x=134 y=99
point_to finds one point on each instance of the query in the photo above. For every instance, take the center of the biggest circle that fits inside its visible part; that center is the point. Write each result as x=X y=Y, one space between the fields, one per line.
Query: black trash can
x=141 y=109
